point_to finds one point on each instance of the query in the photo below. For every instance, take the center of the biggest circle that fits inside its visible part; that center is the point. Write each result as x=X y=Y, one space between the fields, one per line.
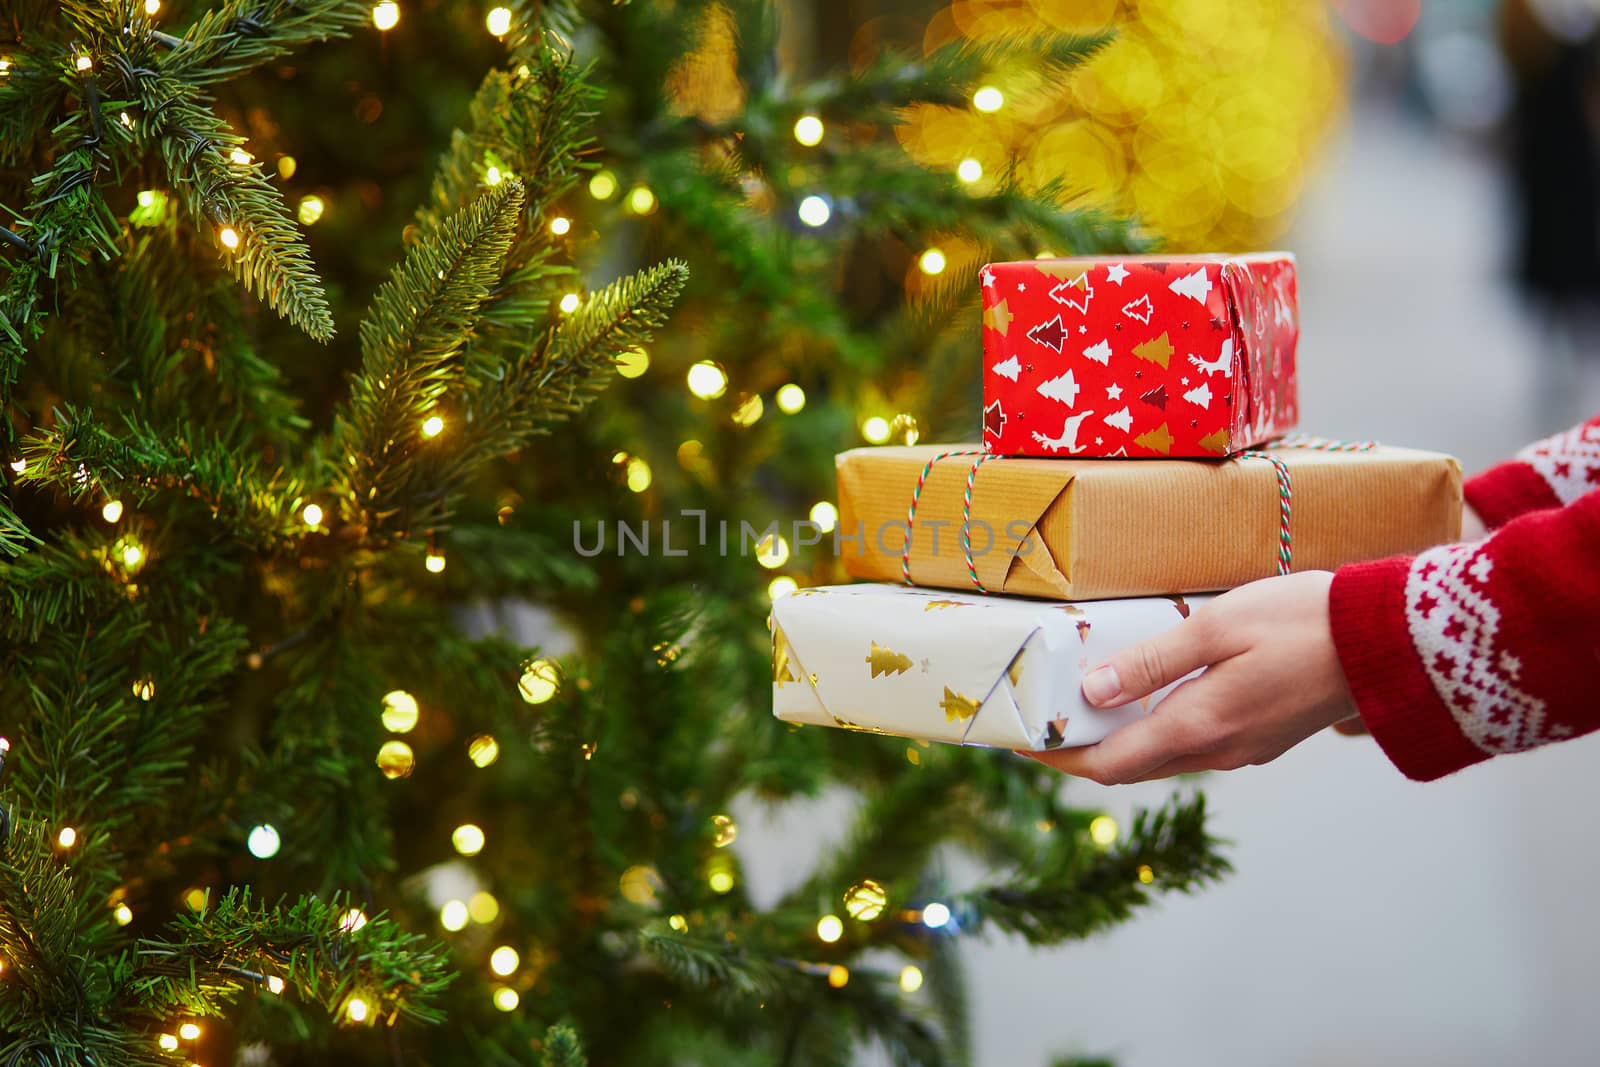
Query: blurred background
x=1434 y=167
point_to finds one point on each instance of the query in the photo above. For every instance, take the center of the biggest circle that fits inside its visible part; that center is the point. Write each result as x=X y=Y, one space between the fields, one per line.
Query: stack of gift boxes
x=1137 y=454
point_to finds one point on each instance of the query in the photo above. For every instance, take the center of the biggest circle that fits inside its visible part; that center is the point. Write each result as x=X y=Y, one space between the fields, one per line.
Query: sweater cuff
x=1396 y=700
x=1504 y=492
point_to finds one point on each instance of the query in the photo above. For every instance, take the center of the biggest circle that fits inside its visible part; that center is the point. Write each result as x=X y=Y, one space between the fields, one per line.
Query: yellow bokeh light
x=311 y=515
x=641 y=201
x=781 y=586
x=825 y=515
x=560 y=225
x=492 y=176
x=724 y=831
x=112 y=511
x=310 y=209
x=434 y=562
x=808 y=130
x=432 y=426
x=866 y=900
x=749 y=411
x=67 y=837
x=400 y=711
x=911 y=978
x=876 y=429
x=969 y=170
x=356 y=1010
x=988 y=99
x=468 y=839
x=772 y=551
x=144 y=689
x=638 y=475
x=539 y=682
x=499 y=21
x=638 y=885
x=678 y=923
x=196 y=899
x=352 y=920
x=396 y=760
x=506 y=998
x=569 y=303
x=603 y=186
x=633 y=362
x=189 y=1031
x=935 y=915
x=241 y=157
x=1146 y=873
x=229 y=237
x=84 y=63
x=386 y=15
x=838 y=976
x=152 y=6
x=453 y=915
x=791 y=398
x=931 y=262
x=720 y=881
x=122 y=914
x=830 y=928
x=132 y=555
x=167 y=1042
x=504 y=960
x=483 y=750
x=1103 y=830
x=275 y=985
x=707 y=380
x=483 y=907
x=286 y=167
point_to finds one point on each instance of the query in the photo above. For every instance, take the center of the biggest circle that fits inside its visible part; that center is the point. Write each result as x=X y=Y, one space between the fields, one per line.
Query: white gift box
x=956 y=667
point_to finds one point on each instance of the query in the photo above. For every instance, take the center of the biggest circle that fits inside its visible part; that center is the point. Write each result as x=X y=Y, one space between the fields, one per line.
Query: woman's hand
x=1272 y=680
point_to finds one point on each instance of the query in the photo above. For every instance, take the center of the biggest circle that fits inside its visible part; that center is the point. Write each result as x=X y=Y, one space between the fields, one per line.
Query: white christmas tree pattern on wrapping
x=1195 y=286
x=1009 y=369
x=1100 y=353
x=1063 y=389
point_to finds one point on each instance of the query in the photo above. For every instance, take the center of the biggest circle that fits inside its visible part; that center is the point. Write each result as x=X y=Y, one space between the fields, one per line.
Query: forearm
x=1473 y=650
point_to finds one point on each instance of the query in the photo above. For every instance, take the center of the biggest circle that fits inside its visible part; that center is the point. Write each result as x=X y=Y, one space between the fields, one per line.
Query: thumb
x=1141 y=670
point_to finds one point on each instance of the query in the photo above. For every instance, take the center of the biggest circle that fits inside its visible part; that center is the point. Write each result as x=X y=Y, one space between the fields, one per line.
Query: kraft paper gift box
x=955 y=667
x=1189 y=355
x=1095 y=529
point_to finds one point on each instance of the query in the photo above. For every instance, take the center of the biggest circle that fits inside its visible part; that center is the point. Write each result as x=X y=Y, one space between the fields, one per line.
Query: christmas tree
x=272 y=790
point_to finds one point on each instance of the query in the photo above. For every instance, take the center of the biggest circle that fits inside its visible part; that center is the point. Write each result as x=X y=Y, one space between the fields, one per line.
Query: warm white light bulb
x=969 y=170
x=499 y=21
x=434 y=562
x=988 y=99
x=830 y=928
x=168 y=1042
x=707 y=380
x=560 y=225
x=352 y=920
x=112 y=511
x=275 y=985
x=122 y=914
x=152 y=6
x=386 y=15
x=453 y=916
x=506 y=999
x=932 y=261
x=814 y=211
x=935 y=915
x=569 y=303
x=189 y=1031
x=312 y=515
x=432 y=426
x=356 y=1009
x=84 y=63
x=468 y=839
x=503 y=961
x=67 y=837
x=229 y=237
x=875 y=430
x=791 y=398
x=241 y=157
x=263 y=841
x=808 y=130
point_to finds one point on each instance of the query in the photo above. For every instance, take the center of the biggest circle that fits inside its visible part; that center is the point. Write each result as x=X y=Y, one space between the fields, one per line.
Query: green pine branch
x=223 y=197
x=410 y=343
x=239 y=35
x=312 y=945
x=78 y=457
x=562 y=1048
x=1085 y=891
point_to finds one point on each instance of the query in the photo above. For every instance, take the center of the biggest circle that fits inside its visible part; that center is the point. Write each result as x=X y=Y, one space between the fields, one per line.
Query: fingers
x=1128 y=754
x=1354 y=726
x=1146 y=667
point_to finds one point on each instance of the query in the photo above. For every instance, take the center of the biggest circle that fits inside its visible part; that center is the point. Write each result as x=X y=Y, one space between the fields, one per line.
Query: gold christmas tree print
x=957 y=707
x=782 y=659
x=998 y=318
x=1156 y=350
x=1158 y=439
x=1216 y=442
x=887 y=661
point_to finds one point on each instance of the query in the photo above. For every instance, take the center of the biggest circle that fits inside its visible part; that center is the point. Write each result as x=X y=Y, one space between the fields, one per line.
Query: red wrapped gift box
x=1139 y=356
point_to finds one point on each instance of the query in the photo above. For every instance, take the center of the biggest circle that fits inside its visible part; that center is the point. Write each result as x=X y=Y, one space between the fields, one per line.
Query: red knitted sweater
x=1474 y=650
